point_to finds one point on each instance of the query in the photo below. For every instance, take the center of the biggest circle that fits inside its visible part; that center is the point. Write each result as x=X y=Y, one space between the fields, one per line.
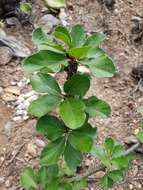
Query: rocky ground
x=122 y=22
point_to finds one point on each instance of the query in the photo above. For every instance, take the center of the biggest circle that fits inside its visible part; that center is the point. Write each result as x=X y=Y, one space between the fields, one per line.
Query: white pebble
x=17 y=118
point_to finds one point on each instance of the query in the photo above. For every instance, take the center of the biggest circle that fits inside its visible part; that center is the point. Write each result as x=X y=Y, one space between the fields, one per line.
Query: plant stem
x=100 y=167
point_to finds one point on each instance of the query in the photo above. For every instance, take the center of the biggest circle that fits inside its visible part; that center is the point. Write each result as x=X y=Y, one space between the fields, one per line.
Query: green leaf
x=65 y=186
x=109 y=145
x=53 y=185
x=140 y=136
x=47 y=174
x=116 y=175
x=44 y=42
x=118 y=151
x=50 y=126
x=76 y=156
x=80 y=52
x=25 y=7
x=97 y=108
x=52 y=152
x=43 y=105
x=95 y=40
x=78 y=85
x=28 y=178
x=45 y=83
x=106 y=182
x=95 y=53
x=81 y=141
x=121 y=162
x=56 y=3
x=101 y=66
x=78 y=35
x=98 y=152
x=63 y=34
x=88 y=130
x=78 y=185
x=44 y=58
x=72 y=113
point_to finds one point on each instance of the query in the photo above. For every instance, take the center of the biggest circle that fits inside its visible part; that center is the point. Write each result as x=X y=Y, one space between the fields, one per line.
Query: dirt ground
x=124 y=44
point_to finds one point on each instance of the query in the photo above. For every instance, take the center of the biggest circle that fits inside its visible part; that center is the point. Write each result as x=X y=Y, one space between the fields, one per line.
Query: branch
x=100 y=167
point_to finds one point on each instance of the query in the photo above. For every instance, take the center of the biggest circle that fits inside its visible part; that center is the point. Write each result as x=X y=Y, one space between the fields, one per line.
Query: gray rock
x=48 y=22
x=17 y=49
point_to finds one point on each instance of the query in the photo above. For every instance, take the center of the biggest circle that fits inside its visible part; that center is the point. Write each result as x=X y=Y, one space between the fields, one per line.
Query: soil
x=117 y=23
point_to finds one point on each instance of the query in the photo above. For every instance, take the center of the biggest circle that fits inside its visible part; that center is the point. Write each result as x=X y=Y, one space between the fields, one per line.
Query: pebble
x=13 y=90
x=17 y=118
x=7 y=183
x=63 y=17
x=8 y=127
x=5 y=55
x=40 y=143
x=2 y=180
x=31 y=149
x=8 y=97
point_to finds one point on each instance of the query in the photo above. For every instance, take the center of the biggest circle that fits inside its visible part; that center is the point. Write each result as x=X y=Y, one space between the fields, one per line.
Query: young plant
x=63 y=113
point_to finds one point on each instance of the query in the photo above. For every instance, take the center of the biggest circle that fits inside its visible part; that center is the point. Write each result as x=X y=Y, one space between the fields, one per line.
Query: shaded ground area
x=20 y=144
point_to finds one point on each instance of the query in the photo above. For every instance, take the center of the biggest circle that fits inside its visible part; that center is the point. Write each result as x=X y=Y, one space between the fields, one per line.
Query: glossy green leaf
x=53 y=185
x=116 y=175
x=107 y=182
x=44 y=58
x=78 y=35
x=45 y=42
x=80 y=52
x=101 y=66
x=81 y=141
x=95 y=53
x=56 y=3
x=109 y=145
x=44 y=83
x=95 y=40
x=72 y=112
x=43 y=105
x=28 y=178
x=63 y=34
x=52 y=152
x=78 y=85
x=140 y=136
x=50 y=126
x=97 y=108
x=72 y=156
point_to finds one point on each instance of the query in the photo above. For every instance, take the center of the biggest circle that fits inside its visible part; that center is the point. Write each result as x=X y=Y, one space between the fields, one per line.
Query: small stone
x=31 y=149
x=13 y=21
x=13 y=90
x=17 y=118
x=131 y=186
x=8 y=97
x=7 y=183
x=63 y=17
x=47 y=22
x=26 y=117
x=40 y=143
